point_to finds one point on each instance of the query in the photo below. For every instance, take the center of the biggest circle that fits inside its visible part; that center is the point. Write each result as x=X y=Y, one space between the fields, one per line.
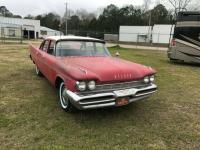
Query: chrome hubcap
x=64 y=101
x=36 y=69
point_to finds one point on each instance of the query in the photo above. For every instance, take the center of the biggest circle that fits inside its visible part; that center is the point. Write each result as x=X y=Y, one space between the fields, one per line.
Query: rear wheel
x=38 y=72
x=64 y=99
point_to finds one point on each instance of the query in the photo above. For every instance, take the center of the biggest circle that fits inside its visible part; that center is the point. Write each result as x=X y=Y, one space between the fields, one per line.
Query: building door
x=37 y=35
x=25 y=34
x=31 y=34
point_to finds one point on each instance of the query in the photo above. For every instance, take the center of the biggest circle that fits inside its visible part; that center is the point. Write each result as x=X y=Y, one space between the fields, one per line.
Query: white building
x=10 y=31
x=45 y=32
x=158 y=34
x=10 y=27
x=161 y=33
x=134 y=33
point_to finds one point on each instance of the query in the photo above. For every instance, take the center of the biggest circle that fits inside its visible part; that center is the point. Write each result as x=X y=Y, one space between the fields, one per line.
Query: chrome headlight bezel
x=81 y=86
x=149 y=79
x=152 y=78
x=146 y=79
x=91 y=85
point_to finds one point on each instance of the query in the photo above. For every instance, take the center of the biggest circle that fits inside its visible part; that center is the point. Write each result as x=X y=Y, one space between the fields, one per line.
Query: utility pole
x=66 y=17
x=149 y=36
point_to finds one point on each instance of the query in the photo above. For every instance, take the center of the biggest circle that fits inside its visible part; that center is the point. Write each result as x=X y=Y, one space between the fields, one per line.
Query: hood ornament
x=83 y=70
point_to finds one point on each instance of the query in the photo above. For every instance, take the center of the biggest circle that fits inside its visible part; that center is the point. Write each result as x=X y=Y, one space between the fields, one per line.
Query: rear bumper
x=109 y=99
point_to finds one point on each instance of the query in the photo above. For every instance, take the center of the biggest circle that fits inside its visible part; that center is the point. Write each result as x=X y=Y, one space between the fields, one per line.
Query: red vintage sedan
x=87 y=76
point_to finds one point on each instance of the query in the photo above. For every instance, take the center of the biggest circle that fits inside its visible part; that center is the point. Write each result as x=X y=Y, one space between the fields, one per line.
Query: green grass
x=31 y=119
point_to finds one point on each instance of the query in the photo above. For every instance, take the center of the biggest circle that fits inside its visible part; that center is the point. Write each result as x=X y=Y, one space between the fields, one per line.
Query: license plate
x=123 y=93
x=122 y=101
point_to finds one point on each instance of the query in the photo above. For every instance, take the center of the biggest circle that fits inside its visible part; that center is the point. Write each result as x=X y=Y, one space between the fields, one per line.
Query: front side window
x=81 y=48
x=51 y=48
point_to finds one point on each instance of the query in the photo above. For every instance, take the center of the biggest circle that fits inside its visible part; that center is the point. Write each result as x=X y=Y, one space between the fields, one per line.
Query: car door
x=50 y=62
x=42 y=57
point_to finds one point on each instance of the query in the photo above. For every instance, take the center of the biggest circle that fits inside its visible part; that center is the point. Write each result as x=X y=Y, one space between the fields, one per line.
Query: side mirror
x=117 y=54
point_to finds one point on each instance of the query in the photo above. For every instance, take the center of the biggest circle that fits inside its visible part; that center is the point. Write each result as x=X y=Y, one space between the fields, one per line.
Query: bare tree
x=179 y=5
x=85 y=15
x=194 y=6
x=146 y=4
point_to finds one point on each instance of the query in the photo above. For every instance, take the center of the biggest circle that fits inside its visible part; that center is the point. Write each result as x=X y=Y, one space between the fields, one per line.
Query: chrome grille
x=115 y=86
x=119 y=85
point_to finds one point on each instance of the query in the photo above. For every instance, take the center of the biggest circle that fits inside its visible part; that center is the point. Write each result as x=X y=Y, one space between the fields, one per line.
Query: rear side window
x=46 y=46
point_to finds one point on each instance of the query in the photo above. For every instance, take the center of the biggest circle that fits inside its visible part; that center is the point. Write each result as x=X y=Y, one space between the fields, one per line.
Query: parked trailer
x=185 y=45
x=161 y=33
x=136 y=34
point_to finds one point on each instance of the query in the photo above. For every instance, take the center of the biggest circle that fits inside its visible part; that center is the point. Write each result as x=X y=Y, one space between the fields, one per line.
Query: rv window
x=188 y=17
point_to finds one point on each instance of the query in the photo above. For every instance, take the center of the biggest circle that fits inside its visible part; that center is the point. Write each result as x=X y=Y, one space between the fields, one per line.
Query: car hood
x=105 y=69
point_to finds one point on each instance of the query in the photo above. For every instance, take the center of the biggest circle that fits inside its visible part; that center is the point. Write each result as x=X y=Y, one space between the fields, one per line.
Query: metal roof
x=7 y=25
x=42 y=28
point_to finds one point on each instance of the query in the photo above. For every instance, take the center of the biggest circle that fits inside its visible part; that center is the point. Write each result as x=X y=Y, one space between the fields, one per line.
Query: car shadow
x=109 y=115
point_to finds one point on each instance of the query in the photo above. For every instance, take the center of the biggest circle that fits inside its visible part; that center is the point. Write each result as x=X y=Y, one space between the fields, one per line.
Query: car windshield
x=81 y=48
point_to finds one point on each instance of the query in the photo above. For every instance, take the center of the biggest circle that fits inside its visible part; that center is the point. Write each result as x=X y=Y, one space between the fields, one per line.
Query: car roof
x=71 y=38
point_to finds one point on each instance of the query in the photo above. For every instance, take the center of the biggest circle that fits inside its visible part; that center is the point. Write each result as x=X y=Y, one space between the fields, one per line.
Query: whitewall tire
x=63 y=98
x=38 y=73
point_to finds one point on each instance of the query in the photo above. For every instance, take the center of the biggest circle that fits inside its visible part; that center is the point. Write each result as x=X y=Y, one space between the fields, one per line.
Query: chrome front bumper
x=108 y=99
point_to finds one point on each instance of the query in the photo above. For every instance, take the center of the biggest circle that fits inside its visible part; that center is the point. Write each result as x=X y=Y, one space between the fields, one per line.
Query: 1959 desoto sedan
x=86 y=75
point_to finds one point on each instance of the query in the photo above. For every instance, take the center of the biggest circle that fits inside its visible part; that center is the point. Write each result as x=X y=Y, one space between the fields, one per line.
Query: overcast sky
x=35 y=7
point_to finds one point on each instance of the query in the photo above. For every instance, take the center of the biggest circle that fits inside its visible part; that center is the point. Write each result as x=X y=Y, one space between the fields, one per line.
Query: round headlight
x=81 y=86
x=146 y=80
x=152 y=78
x=91 y=85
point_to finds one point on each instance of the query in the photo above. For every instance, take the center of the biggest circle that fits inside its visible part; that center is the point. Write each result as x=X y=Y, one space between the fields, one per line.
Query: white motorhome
x=185 y=45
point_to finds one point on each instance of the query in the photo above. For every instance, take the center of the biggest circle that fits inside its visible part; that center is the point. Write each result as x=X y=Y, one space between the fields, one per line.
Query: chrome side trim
x=99 y=106
x=138 y=95
x=94 y=102
x=78 y=98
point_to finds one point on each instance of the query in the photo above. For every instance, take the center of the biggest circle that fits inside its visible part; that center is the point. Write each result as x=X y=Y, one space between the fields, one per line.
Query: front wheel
x=64 y=99
x=38 y=72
